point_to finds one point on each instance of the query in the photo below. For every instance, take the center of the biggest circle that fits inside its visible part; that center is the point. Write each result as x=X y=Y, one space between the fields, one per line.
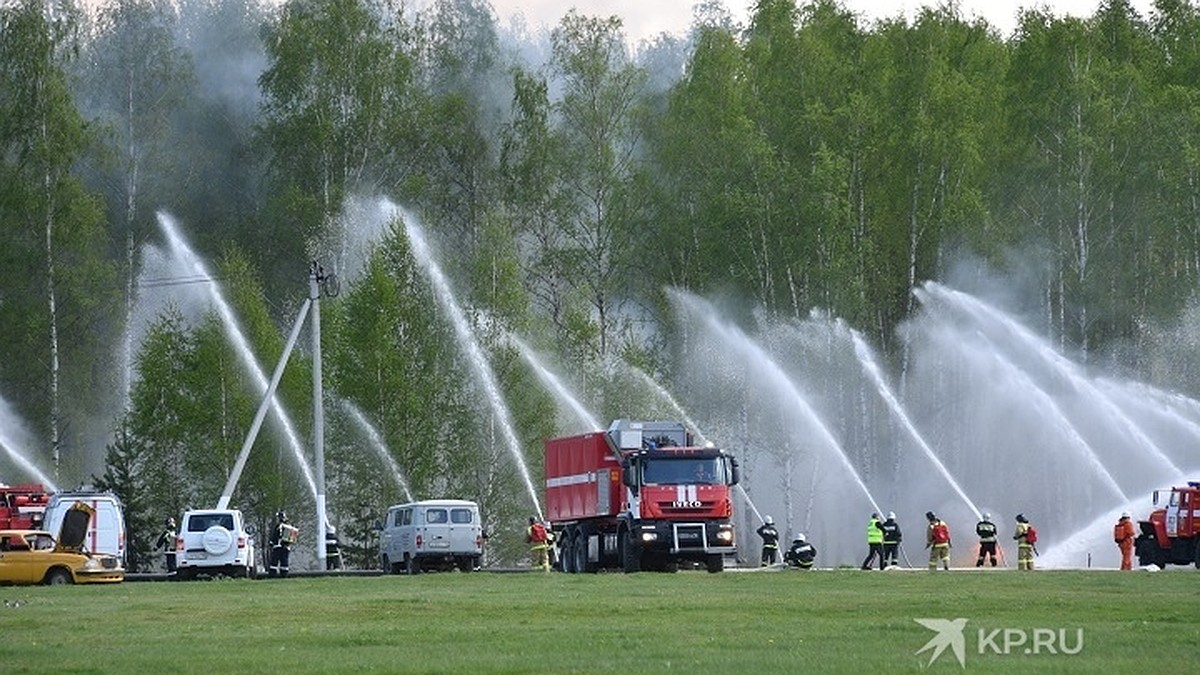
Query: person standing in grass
x=539 y=544
x=1124 y=534
x=986 y=530
x=166 y=541
x=770 y=537
x=874 y=542
x=891 y=539
x=1026 y=537
x=937 y=540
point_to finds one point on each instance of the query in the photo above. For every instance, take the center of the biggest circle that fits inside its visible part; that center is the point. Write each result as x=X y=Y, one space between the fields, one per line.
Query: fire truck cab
x=1171 y=533
x=640 y=496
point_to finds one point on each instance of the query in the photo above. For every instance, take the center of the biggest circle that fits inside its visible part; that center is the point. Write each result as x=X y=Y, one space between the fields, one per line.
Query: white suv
x=214 y=542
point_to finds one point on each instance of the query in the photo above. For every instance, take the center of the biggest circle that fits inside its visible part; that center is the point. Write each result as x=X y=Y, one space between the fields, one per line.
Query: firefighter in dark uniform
x=770 y=537
x=891 y=540
x=281 y=548
x=800 y=554
x=986 y=530
x=166 y=541
x=333 y=549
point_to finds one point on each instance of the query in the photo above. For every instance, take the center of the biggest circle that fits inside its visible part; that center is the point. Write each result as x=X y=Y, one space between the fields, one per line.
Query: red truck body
x=1171 y=535
x=23 y=507
x=640 y=495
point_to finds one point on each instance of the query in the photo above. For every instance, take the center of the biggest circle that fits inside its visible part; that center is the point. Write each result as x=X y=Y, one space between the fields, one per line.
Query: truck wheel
x=631 y=554
x=566 y=555
x=580 y=552
x=466 y=564
x=715 y=562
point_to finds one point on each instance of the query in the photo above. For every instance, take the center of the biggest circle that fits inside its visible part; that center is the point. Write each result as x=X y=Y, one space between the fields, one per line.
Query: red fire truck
x=1171 y=533
x=22 y=507
x=639 y=496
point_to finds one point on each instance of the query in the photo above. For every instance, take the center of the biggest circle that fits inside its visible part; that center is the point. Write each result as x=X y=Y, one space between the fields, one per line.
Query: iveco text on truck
x=639 y=496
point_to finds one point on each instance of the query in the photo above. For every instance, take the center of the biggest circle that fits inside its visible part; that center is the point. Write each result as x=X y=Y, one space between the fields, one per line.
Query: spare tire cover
x=217 y=540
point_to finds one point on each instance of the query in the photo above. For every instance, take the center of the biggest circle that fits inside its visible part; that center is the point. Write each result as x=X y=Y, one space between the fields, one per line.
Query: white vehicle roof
x=436 y=502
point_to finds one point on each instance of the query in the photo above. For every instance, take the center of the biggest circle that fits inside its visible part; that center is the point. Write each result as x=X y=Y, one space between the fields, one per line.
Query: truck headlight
x=649 y=536
x=725 y=534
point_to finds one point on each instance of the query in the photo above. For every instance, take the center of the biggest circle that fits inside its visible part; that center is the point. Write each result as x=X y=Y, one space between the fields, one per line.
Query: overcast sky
x=645 y=18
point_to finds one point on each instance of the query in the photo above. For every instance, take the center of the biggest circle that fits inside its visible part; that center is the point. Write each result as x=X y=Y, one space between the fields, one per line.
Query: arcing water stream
x=470 y=347
x=241 y=346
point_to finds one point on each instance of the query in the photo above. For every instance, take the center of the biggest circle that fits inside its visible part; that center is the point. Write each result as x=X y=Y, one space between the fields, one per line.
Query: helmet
x=769 y=520
x=1124 y=514
x=891 y=515
x=281 y=516
x=929 y=516
x=331 y=529
x=1021 y=518
x=874 y=514
x=169 y=522
x=987 y=516
x=800 y=537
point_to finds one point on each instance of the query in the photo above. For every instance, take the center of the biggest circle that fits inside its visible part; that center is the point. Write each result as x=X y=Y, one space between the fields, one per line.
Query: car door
x=463 y=529
x=19 y=563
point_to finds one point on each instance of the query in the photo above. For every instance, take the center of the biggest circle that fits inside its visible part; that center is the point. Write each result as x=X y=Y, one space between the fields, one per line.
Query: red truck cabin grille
x=704 y=509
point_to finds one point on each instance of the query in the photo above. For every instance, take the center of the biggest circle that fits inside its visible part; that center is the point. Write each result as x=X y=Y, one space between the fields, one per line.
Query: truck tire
x=715 y=562
x=579 y=551
x=631 y=554
x=566 y=558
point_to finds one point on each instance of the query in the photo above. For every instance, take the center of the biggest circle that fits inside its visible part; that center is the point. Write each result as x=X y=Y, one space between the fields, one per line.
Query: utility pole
x=318 y=282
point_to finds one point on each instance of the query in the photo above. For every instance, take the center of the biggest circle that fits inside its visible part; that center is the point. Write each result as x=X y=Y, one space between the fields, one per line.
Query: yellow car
x=35 y=557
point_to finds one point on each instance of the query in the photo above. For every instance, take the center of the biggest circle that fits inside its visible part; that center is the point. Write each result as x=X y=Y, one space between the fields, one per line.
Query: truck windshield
x=684 y=471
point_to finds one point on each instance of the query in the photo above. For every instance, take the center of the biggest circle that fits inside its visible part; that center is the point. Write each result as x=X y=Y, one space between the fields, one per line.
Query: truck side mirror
x=378 y=525
x=628 y=475
x=735 y=473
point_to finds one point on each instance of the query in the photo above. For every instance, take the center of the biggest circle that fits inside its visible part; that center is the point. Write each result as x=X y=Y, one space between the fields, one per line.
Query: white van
x=431 y=534
x=106 y=530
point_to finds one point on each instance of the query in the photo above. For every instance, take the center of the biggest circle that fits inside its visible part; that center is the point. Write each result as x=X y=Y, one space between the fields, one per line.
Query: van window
x=406 y=517
x=435 y=516
x=460 y=516
x=396 y=518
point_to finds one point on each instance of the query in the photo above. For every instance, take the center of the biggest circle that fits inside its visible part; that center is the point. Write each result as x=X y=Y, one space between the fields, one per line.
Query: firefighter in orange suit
x=1124 y=534
x=937 y=540
x=539 y=544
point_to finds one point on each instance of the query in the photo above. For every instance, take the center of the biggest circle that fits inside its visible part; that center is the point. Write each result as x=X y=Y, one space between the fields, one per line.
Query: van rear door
x=464 y=530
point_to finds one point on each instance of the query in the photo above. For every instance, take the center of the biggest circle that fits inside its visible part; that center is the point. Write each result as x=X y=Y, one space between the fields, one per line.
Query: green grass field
x=785 y=622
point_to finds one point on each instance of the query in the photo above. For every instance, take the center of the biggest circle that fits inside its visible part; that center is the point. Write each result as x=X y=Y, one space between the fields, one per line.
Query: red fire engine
x=22 y=507
x=1171 y=533
x=639 y=496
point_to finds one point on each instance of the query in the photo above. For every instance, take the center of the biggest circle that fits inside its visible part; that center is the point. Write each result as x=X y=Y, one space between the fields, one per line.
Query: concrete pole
x=240 y=465
x=314 y=293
